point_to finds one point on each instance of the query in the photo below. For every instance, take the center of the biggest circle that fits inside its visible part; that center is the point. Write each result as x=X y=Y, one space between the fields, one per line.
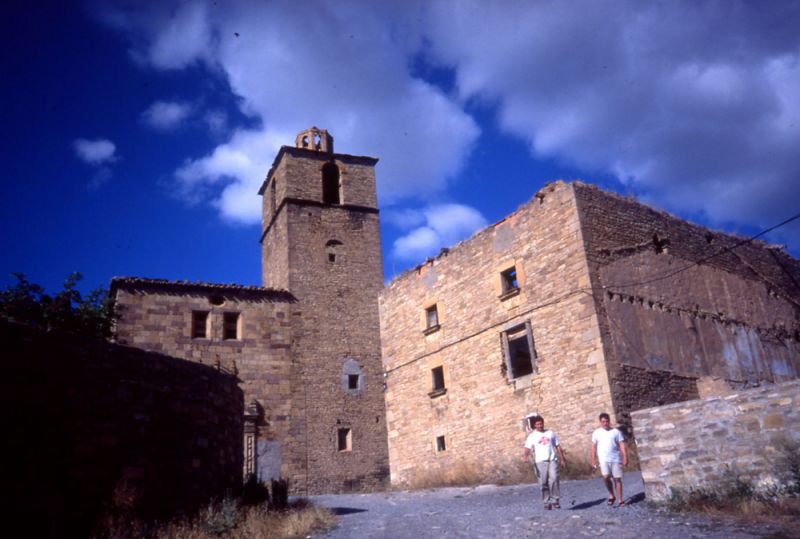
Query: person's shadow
x=587 y=505
x=636 y=498
x=346 y=510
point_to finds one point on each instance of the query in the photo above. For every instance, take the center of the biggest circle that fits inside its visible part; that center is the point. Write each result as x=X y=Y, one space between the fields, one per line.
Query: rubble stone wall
x=158 y=317
x=480 y=415
x=700 y=443
x=679 y=298
x=329 y=256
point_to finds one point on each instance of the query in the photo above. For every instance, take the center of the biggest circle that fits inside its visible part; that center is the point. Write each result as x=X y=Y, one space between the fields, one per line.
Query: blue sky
x=136 y=134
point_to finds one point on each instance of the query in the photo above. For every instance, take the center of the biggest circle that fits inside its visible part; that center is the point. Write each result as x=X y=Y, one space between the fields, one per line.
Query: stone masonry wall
x=667 y=305
x=694 y=444
x=329 y=256
x=480 y=412
x=157 y=316
x=91 y=425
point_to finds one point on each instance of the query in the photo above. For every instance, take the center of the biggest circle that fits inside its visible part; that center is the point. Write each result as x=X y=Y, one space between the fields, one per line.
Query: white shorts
x=611 y=468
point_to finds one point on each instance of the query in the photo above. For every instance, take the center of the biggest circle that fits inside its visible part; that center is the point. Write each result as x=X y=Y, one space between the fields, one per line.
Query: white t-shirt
x=608 y=444
x=543 y=445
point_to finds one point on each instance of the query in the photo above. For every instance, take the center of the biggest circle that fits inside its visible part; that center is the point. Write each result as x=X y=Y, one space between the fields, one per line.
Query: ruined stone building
x=581 y=301
x=306 y=346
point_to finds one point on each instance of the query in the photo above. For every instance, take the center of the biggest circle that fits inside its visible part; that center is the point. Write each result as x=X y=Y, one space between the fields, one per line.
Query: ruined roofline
x=141 y=284
x=316 y=154
x=630 y=199
x=575 y=185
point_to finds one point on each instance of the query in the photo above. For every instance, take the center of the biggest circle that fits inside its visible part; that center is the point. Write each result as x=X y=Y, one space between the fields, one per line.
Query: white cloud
x=343 y=67
x=95 y=152
x=444 y=225
x=234 y=172
x=166 y=115
x=692 y=104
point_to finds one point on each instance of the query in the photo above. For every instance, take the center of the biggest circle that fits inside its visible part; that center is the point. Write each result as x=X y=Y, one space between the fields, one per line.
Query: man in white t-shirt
x=546 y=455
x=608 y=447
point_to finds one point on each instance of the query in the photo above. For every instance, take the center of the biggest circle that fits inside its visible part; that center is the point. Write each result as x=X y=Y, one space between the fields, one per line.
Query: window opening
x=519 y=352
x=352 y=381
x=344 y=438
x=333 y=250
x=272 y=195
x=199 y=324
x=330 y=184
x=305 y=141
x=437 y=374
x=431 y=318
x=440 y=444
x=230 y=326
x=508 y=278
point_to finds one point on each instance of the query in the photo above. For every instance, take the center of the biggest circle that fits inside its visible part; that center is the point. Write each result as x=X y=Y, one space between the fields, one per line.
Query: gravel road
x=516 y=511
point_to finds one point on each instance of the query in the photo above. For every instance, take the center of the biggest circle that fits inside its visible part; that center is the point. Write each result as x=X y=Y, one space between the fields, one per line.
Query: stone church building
x=579 y=302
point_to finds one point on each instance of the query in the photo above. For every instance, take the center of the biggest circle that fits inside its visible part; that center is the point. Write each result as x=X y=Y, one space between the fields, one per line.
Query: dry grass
x=228 y=520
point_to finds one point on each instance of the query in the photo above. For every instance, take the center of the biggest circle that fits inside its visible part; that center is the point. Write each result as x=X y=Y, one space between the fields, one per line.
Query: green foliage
x=28 y=303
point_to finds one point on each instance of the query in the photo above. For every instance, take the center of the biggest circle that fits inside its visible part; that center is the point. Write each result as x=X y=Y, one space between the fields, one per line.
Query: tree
x=27 y=303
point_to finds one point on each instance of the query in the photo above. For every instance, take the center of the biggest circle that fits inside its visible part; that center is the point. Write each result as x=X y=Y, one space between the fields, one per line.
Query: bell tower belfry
x=321 y=241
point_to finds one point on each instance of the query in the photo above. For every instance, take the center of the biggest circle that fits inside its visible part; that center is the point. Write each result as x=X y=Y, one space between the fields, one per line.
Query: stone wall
x=157 y=316
x=91 y=425
x=695 y=443
x=480 y=413
x=329 y=256
x=675 y=297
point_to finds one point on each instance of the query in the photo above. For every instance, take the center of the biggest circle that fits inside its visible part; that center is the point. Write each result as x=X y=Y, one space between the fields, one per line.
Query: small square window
x=344 y=439
x=518 y=351
x=508 y=281
x=352 y=381
x=230 y=326
x=440 y=444
x=199 y=324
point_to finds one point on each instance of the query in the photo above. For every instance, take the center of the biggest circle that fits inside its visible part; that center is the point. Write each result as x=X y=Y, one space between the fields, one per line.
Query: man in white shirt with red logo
x=547 y=453
x=608 y=447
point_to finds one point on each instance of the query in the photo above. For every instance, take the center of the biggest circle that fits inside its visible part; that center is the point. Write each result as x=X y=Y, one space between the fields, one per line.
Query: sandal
x=556 y=506
x=611 y=501
x=621 y=504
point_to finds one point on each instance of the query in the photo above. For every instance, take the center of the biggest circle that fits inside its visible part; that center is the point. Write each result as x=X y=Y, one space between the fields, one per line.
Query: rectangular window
x=520 y=355
x=199 y=324
x=508 y=281
x=345 y=439
x=230 y=326
x=440 y=444
x=352 y=381
x=437 y=375
x=431 y=319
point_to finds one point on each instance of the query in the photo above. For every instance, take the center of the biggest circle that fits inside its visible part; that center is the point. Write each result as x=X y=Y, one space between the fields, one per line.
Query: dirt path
x=515 y=511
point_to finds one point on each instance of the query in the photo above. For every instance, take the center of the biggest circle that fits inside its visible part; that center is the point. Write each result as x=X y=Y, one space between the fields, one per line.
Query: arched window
x=330 y=184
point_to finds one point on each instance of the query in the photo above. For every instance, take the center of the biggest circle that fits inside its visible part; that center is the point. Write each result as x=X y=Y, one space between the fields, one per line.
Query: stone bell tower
x=321 y=242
